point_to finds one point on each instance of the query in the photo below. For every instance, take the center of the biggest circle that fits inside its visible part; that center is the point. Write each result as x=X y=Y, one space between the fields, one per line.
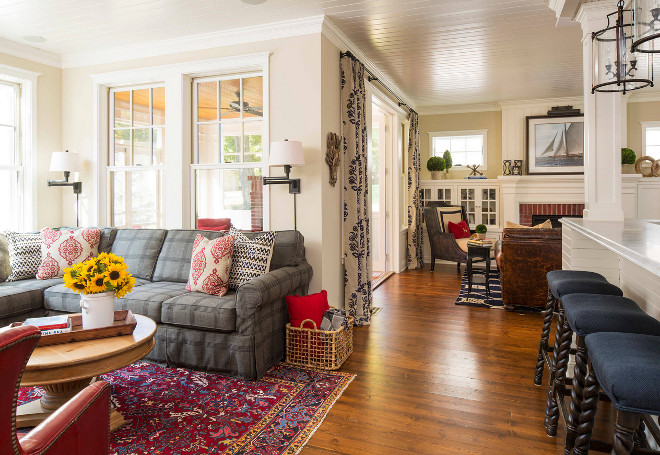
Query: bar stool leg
x=577 y=394
x=544 y=344
x=587 y=413
x=624 y=429
x=640 y=436
x=563 y=339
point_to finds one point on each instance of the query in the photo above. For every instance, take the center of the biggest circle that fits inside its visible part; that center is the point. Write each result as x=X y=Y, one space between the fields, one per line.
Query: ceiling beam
x=565 y=10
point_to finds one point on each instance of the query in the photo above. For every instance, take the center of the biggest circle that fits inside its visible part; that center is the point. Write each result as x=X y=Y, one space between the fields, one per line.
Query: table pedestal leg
x=55 y=395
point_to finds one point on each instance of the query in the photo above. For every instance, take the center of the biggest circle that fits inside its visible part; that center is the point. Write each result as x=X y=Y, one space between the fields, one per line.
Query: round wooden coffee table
x=63 y=370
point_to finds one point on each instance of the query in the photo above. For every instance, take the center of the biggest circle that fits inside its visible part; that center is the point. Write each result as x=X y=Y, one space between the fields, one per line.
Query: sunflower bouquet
x=105 y=273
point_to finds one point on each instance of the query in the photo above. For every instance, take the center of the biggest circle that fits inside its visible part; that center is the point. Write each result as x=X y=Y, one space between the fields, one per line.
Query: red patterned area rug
x=180 y=411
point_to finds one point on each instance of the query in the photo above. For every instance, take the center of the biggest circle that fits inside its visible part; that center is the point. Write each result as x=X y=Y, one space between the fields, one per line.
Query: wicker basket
x=317 y=348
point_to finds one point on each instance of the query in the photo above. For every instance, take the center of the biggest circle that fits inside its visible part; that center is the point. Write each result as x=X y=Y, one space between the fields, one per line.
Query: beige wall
x=638 y=113
x=304 y=106
x=49 y=138
x=491 y=121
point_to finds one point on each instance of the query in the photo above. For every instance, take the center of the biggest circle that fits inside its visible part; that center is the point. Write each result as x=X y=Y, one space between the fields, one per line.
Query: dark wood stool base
x=544 y=344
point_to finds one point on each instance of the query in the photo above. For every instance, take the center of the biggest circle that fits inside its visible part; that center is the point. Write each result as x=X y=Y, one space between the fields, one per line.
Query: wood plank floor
x=436 y=378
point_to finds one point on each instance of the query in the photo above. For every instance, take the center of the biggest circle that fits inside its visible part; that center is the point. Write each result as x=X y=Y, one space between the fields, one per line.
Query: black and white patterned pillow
x=24 y=255
x=251 y=257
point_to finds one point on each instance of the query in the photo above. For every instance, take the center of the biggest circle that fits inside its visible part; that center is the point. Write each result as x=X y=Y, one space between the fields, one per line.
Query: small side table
x=479 y=253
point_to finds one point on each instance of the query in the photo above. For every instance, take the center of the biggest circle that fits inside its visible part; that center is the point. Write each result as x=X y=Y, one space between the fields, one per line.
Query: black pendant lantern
x=615 y=67
x=646 y=36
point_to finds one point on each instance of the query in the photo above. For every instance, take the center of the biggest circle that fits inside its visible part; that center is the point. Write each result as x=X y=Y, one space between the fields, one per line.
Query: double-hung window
x=136 y=160
x=11 y=157
x=466 y=147
x=651 y=139
x=228 y=157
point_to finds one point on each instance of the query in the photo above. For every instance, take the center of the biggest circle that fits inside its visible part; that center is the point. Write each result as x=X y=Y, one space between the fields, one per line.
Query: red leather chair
x=81 y=426
x=214 y=224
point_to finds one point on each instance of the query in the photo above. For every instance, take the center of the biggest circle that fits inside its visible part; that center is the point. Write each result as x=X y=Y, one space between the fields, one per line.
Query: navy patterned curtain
x=415 y=255
x=357 y=248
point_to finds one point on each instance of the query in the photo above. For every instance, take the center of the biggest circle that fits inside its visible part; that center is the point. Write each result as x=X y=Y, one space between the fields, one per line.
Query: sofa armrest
x=269 y=287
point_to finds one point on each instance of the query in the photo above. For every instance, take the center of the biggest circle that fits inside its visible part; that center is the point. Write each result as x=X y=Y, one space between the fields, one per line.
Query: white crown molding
x=29 y=53
x=340 y=40
x=592 y=15
x=570 y=100
x=221 y=38
x=459 y=108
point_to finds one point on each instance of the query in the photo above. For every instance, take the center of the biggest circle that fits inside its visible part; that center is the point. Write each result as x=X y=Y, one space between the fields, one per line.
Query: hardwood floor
x=436 y=378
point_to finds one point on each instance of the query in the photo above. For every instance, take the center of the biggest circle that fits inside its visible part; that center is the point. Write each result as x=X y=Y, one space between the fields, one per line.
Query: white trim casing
x=178 y=147
x=28 y=118
x=483 y=133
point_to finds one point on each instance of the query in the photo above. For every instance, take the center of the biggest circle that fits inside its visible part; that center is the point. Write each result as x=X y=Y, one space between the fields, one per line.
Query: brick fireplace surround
x=526 y=211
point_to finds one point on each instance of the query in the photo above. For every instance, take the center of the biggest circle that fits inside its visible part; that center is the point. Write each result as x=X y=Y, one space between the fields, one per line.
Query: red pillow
x=312 y=306
x=460 y=230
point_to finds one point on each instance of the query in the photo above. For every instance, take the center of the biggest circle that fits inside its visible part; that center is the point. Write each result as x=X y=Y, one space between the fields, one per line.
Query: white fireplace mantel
x=555 y=189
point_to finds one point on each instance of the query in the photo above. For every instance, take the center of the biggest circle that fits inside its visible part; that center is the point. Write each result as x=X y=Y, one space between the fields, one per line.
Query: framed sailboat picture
x=555 y=145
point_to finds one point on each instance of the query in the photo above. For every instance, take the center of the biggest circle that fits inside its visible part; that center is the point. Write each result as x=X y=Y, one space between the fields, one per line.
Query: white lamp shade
x=284 y=153
x=65 y=161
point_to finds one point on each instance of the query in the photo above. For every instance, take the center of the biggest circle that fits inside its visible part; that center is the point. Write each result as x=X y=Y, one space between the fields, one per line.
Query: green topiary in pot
x=436 y=165
x=448 y=161
x=628 y=158
x=481 y=230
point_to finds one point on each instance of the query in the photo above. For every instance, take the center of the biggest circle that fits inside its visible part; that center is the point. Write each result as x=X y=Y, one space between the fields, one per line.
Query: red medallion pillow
x=312 y=306
x=61 y=249
x=211 y=262
x=460 y=230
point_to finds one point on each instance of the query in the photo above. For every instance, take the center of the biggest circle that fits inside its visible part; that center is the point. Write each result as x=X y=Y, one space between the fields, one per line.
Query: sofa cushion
x=288 y=249
x=211 y=262
x=174 y=259
x=447 y=214
x=24 y=254
x=140 y=249
x=145 y=299
x=65 y=247
x=5 y=267
x=18 y=297
x=201 y=311
x=251 y=257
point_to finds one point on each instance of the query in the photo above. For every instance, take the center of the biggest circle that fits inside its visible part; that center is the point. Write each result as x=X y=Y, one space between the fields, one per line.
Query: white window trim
x=28 y=124
x=179 y=210
x=483 y=133
x=646 y=125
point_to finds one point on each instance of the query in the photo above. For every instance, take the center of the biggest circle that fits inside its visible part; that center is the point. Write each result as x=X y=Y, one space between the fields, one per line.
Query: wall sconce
x=286 y=153
x=67 y=162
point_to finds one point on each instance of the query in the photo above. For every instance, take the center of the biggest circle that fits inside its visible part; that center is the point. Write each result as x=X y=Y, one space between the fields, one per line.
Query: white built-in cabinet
x=481 y=198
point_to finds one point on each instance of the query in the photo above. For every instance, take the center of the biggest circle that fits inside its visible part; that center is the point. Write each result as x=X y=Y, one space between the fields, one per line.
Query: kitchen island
x=627 y=253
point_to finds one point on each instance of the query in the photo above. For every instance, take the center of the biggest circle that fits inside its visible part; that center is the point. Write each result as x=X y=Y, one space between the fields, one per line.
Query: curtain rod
x=371 y=77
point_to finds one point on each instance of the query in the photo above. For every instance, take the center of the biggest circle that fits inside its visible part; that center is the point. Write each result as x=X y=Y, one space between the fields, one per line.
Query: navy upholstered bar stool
x=626 y=367
x=560 y=283
x=586 y=314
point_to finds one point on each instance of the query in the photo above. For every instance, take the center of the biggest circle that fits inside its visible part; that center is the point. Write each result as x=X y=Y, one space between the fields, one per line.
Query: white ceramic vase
x=436 y=175
x=98 y=310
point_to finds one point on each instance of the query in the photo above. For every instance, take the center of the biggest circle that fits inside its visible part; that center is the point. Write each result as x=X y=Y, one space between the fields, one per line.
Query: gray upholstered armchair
x=443 y=243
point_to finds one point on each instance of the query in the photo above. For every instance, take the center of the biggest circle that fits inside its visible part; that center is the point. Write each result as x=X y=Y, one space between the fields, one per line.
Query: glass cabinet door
x=468 y=201
x=489 y=206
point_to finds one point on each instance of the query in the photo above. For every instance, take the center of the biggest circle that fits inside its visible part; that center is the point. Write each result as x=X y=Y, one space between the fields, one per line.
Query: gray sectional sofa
x=241 y=334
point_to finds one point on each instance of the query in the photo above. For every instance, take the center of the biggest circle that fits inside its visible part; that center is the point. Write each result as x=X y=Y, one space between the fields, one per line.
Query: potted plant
x=436 y=165
x=448 y=161
x=628 y=158
x=99 y=281
x=480 y=230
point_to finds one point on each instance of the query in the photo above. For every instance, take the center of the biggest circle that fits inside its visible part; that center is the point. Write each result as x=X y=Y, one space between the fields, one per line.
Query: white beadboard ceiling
x=438 y=52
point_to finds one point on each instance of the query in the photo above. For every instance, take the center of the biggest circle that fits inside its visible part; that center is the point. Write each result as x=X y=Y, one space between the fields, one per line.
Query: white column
x=602 y=127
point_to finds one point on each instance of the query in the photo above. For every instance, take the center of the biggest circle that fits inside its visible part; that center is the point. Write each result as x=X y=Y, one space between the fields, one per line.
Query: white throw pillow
x=63 y=248
x=24 y=255
x=251 y=257
x=211 y=262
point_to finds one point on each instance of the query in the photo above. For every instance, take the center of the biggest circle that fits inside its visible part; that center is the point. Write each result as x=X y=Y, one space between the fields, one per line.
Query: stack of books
x=51 y=325
x=485 y=243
